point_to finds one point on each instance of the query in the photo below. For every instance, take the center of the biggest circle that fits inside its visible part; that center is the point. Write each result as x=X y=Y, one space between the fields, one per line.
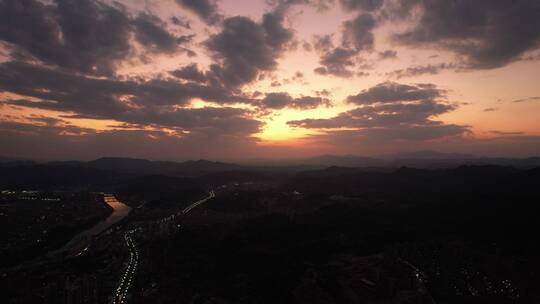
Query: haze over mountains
x=116 y=172
x=417 y=159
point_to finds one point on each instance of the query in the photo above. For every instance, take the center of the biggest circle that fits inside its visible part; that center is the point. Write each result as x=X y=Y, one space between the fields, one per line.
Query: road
x=419 y=277
x=122 y=290
x=197 y=203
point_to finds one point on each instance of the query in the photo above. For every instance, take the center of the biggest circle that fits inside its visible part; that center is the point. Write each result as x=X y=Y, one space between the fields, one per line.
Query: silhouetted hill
x=144 y=167
x=161 y=189
x=5 y=159
x=201 y=167
x=226 y=177
x=344 y=161
x=128 y=165
x=53 y=176
x=412 y=181
x=467 y=225
x=14 y=161
x=429 y=154
x=329 y=172
x=419 y=159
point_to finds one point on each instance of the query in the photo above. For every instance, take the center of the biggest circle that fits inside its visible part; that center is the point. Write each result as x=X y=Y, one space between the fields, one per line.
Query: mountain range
x=193 y=168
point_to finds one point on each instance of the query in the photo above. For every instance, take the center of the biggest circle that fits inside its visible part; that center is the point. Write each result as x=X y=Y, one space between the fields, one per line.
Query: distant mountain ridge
x=143 y=166
x=429 y=154
x=344 y=161
x=426 y=159
x=109 y=172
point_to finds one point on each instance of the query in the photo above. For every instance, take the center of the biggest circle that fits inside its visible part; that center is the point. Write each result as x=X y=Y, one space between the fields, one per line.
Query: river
x=120 y=210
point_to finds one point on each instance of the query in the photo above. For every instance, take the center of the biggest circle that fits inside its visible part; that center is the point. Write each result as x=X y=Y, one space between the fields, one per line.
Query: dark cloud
x=307 y=46
x=48 y=121
x=277 y=36
x=181 y=21
x=391 y=92
x=94 y=35
x=246 y=48
x=281 y=100
x=485 y=34
x=391 y=135
x=527 y=99
x=276 y=100
x=430 y=69
x=310 y=102
x=190 y=72
x=337 y=62
x=154 y=102
x=363 y=5
x=362 y=74
x=297 y=77
x=323 y=5
x=150 y=31
x=22 y=139
x=281 y=6
x=490 y=109
x=213 y=121
x=63 y=89
x=382 y=115
x=505 y=133
x=29 y=129
x=445 y=137
x=243 y=48
x=390 y=112
x=32 y=26
x=323 y=43
x=185 y=39
x=207 y=10
x=85 y=36
x=380 y=138
x=323 y=93
x=388 y=54
x=357 y=32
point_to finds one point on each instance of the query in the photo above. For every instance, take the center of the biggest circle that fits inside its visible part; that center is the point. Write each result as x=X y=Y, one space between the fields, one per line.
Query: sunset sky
x=237 y=80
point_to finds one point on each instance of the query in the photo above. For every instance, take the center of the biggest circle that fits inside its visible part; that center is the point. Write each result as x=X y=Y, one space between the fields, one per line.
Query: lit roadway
x=419 y=276
x=121 y=291
x=197 y=203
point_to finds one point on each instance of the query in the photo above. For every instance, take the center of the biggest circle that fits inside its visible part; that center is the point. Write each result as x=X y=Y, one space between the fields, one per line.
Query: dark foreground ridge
x=464 y=234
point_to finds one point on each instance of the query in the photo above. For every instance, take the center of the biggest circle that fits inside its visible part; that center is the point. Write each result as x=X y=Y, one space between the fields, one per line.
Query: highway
x=122 y=290
x=197 y=203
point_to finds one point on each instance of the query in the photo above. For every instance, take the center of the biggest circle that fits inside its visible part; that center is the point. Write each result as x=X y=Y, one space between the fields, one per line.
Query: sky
x=268 y=79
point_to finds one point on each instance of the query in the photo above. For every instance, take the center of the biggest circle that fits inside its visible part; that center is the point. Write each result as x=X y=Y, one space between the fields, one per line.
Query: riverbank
x=120 y=211
x=34 y=227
